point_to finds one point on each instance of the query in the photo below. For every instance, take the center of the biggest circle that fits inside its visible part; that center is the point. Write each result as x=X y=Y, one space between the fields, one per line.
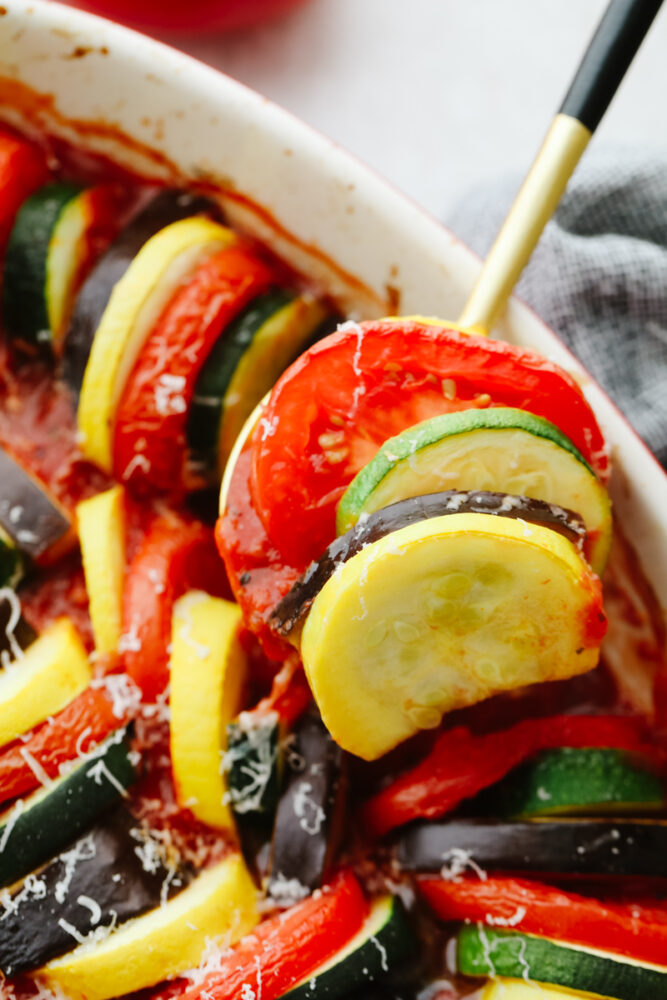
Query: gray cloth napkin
x=598 y=276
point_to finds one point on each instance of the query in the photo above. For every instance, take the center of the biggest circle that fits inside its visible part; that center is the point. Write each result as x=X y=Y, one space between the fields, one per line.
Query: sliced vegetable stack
x=414 y=522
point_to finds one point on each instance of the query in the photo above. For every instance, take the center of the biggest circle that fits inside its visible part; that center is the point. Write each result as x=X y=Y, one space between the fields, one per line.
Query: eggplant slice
x=16 y=633
x=292 y=610
x=116 y=871
x=166 y=207
x=587 y=848
x=309 y=815
x=37 y=525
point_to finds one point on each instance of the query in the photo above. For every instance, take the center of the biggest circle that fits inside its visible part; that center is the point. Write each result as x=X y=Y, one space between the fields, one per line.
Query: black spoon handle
x=608 y=56
x=612 y=49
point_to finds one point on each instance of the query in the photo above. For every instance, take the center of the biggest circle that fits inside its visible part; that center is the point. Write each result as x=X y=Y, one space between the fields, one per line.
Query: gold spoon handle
x=602 y=68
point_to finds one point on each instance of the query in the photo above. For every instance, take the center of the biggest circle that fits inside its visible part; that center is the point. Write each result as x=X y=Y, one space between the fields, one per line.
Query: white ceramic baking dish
x=163 y=114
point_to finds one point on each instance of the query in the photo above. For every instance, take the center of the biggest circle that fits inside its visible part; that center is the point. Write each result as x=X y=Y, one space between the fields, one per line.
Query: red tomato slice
x=335 y=406
x=22 y=170
x=257 y=574
x=174 y=556
x=151 y=420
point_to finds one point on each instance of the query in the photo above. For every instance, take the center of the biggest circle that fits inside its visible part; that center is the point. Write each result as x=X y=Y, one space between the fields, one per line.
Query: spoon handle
x=611 y=50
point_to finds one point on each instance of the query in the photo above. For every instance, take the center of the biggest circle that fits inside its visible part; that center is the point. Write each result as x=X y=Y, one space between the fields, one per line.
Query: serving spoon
x=609 y=54
x=605 y=62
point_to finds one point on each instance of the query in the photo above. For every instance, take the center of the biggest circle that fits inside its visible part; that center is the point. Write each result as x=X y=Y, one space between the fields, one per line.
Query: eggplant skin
x=584 y=848
x=104 y=867
x=166 y=207
x=34 y=522
x=292 y=610
x=309 y=816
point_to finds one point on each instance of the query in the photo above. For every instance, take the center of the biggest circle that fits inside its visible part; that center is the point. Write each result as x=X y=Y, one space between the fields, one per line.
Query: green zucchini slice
x=116 y=871
x=571 y=782
x=384 y=941
x=499 y=449
x=35 y=268
x=485 y=951
x=252 y=763
x=11 y=561
x=16 y=634
x=37 y=828
x=246 y=361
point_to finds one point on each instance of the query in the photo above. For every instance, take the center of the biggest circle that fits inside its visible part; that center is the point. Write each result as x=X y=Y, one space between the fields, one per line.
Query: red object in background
x=188 y=18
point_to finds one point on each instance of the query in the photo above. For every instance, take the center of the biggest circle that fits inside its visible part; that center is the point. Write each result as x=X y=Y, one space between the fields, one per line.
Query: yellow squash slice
x=219 y=907
x=162 y=264
x=442 y=614
x=101 y=524
x=207 y=673
x=519 y=989
x=53 y=670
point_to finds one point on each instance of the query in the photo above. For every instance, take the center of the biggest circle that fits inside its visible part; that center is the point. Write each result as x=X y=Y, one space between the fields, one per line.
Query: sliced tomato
x=257 y=574
x=174 y=556
x=150 y=428
x=86 y=721
x=22 y=170
x=335 y=406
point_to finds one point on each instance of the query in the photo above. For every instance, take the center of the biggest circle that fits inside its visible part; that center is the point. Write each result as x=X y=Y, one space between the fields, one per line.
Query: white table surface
x=438 y=95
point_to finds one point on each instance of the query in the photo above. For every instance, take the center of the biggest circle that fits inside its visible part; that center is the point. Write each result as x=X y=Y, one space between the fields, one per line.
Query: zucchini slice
x=384 y=941
x=136 y=302
x=11 y=562
x=291 y=611
x=36 y=524
x=207 y=674
x=116 y=871
x=501 y=449
x=519 y=989
x=608 y=848
x=309 y=817
x=252 y=765
x=37 y=828
x=16 y=634
x=485 y=951
x=164 y=208
x=51 y=672
x=246 y=361
x=101 y=525
x=218 y=906
x=571 y=782
x=442 y=614
x=37 y=282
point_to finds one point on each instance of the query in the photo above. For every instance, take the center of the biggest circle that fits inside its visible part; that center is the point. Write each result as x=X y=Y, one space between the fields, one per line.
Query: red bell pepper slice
x=151 y=419
x=462 y=763
x=22 y=170
x=636 y=931
x=333 y=408
x=173 y=557
x=86 y=721
x=288 y=947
